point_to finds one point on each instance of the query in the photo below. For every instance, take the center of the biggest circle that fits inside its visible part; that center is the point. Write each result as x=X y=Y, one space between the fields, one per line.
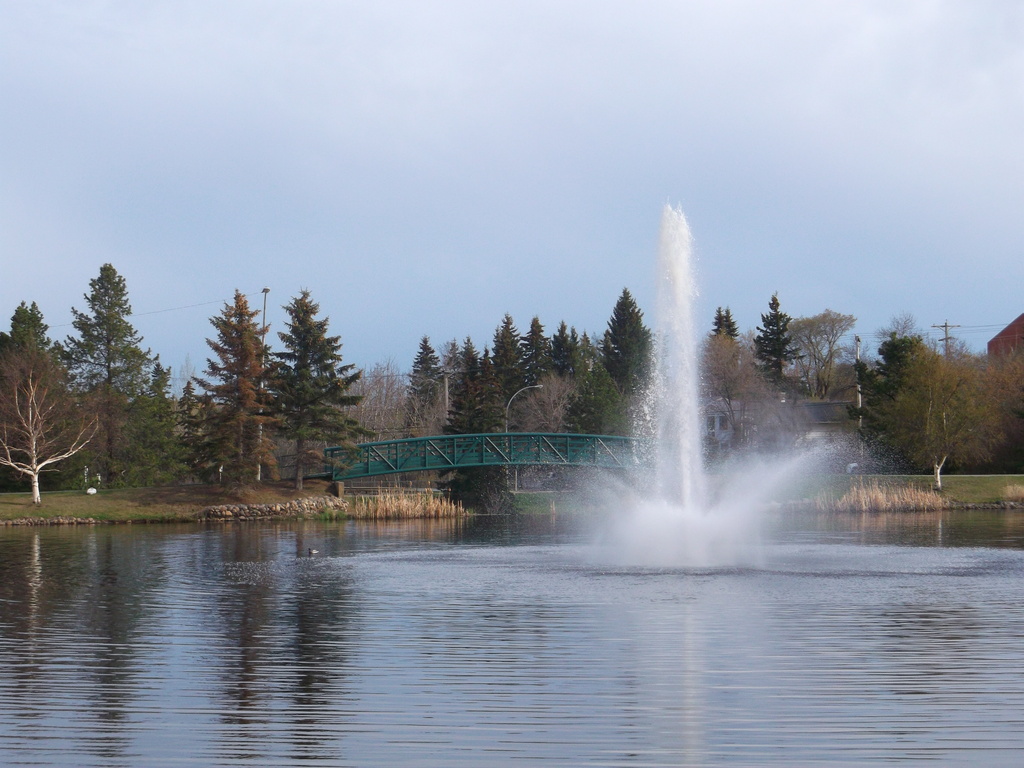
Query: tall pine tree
x=476 y=397
x=27 y=329
x=565 y=346
x=112 y=371
x=773 y=345
x=426 y=375
x=311 y=386
x=193 y=418
x=477 y=408
x=724 y=325
x=536 y=354
x=426 y=381
x=507 y=358
x=238 y=440
x=627 y=346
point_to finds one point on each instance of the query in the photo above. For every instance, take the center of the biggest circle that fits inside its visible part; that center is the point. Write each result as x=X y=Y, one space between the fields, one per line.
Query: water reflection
x=493 y=642
x=948 y=528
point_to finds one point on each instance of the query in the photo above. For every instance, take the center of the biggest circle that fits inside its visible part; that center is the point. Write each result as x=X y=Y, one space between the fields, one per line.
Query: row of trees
x=118 y=423
x=104 y=406
x=576 y=383
x=112 y=417
x=567 y=382
x=916 y=406
x=228 y=423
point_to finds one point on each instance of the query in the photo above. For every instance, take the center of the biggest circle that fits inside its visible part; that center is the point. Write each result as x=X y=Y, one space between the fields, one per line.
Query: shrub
x=403 y=506
x=872 y=497
x=1014 y=493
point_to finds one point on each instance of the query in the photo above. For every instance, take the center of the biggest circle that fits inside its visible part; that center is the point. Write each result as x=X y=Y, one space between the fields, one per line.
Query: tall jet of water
x=675 y=406
x=677 y=521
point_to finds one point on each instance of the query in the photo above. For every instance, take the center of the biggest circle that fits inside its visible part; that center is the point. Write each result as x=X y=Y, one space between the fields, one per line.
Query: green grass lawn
x=962 y=489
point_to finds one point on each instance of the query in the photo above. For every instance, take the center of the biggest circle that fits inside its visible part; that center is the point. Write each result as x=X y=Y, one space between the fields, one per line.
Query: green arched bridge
x=449 y=452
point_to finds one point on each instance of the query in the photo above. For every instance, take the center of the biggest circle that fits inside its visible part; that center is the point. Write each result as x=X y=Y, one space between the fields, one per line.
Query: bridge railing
x=450 y=452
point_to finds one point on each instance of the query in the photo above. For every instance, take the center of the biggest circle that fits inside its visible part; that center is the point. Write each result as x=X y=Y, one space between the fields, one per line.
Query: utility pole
x=946 y=337
x=860 y=405
x=860 y=401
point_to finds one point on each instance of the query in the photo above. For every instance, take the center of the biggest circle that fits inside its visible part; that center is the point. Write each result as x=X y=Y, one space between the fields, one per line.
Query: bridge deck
x=449 y=452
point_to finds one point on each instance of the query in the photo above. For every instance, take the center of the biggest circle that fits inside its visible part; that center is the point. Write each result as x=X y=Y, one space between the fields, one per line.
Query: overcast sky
x=426 y=167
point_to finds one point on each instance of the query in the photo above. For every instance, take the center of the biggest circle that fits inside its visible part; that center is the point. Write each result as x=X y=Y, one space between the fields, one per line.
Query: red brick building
x=1008 y=339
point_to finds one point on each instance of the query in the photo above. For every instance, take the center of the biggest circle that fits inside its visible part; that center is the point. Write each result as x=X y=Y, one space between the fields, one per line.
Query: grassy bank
x=166 y=504
x=956 y=489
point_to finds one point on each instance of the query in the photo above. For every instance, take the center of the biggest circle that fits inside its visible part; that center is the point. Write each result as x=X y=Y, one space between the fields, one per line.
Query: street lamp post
x=509 y=403
x=263 y=366
x=515 y=487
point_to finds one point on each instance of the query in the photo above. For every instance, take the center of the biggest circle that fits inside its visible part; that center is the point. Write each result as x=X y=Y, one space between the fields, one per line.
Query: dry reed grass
x=1014 y=493
x=872 y=497
x=404 y=506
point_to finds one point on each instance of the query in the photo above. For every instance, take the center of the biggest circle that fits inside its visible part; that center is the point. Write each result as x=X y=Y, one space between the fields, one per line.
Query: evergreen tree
x=883 y=384
x=536 y=354
x=111 y=369
x=426 y=375
x=895 y=356
x=27 y=329
x=596 y=407
x=477 y=408
x=507 y=358
x=311 y=386
x=425 y=408
x=626 y=349
x=158 y=452
x=773 y=344
x=491 y=414
x=588 y=355
x=238 y=430
x=565 y=351
x=476 y=397
x=724 y=325
x=192 y=416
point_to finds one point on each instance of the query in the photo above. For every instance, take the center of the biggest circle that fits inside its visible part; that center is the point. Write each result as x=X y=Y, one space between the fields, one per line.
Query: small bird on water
x=312 y=551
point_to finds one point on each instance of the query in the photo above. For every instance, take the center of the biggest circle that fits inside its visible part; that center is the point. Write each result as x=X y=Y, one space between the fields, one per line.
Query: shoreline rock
x=308 y=507
x=296 y=508
x=59 y=520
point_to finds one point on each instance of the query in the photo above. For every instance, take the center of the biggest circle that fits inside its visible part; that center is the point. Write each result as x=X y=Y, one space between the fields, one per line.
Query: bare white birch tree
x=40 y=424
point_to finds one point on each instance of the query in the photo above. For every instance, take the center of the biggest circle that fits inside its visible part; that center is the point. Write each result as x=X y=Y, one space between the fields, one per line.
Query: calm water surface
x=851 y=642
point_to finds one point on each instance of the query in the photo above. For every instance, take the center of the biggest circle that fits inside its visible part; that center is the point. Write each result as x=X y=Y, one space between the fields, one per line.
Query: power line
x=175 y=309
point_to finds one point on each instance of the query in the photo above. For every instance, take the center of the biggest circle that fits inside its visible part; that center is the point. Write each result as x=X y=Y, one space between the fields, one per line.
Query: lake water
x=853 y=641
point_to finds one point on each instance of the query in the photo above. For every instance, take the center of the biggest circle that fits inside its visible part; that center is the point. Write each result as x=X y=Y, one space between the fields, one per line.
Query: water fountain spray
x=675 y=400
x=676 y=522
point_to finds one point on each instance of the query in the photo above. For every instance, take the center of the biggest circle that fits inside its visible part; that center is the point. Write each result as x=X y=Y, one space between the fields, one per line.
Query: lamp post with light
x=509 y=403
x=515 y=487
x=263 y=370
